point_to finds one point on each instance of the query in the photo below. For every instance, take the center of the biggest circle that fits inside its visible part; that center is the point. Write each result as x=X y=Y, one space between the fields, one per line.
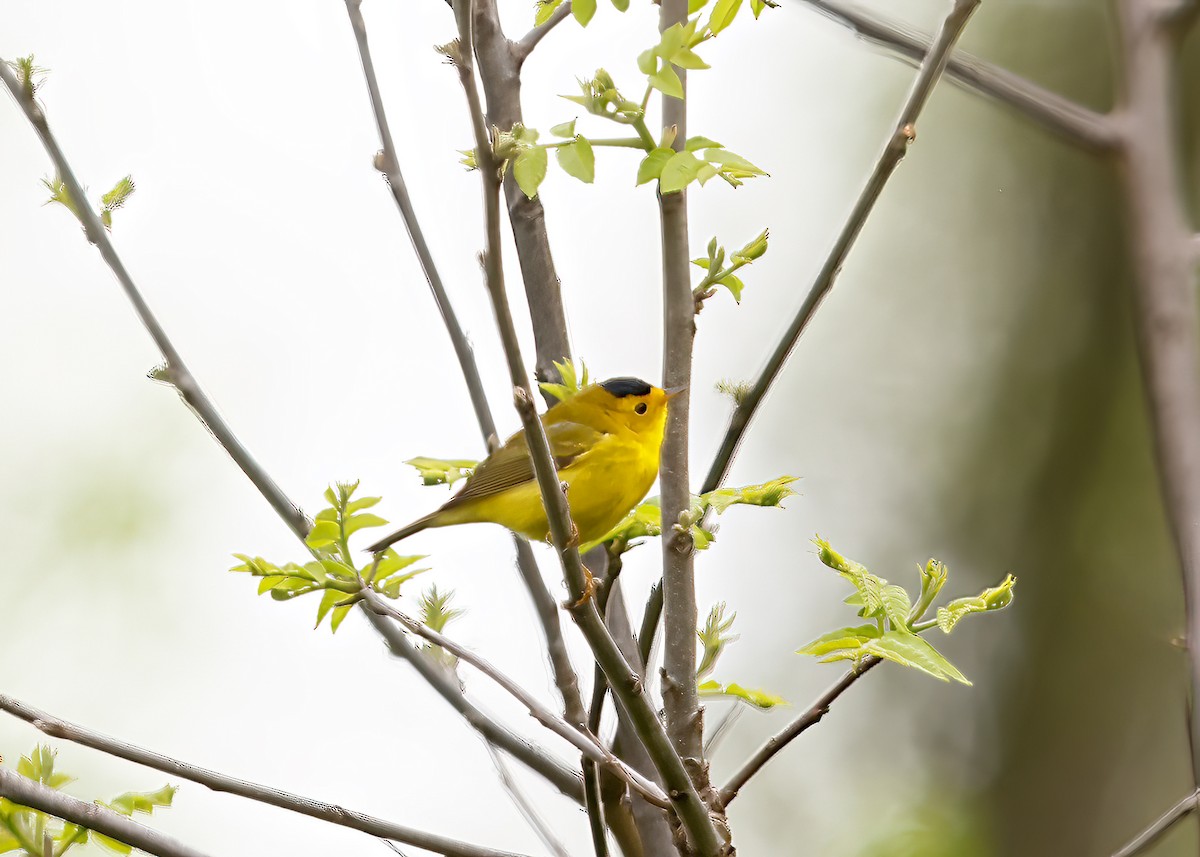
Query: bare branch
x=332 y=813
x=581 y=739
x=176 y=371
x=627 y=687
x=525 y=806
x=560 y=662
x=389 y=165
x=1160 y=826
x=523 y=48
x=1074 y=122
x=1164 y=289
x=901 y=136
x=26 y=792
x=535 y=758
x=811 y=717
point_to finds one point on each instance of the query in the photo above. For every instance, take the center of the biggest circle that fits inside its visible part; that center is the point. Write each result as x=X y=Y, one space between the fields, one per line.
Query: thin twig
x=389 y=165
x=1164 y=287
x=30 y=793
x=1072 y=121
x=1160 y=826
x=626 y=685
x=218 y=782
x=899 y=138
x=177 y=371
x=524 y=47
x=583 y=741
x=560 y=662
x=811 y=717
x=526 y=807
x=533 y=757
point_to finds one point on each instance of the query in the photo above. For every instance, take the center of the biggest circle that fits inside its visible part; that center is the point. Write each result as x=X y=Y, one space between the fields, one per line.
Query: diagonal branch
x=560 y=662
x=332 y=813
x=525 y=806
x=1062 y=116
x=389 y=165
x=176 y=372
x=903 y=133
x=811 y=717
x=581 y=739
x=523 y=48
x=533 y=757
x=627 y=687
x=30 y=793
x=1160 y=826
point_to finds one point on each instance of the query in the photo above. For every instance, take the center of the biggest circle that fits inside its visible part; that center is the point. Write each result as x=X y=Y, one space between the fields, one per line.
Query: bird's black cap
x=621 y=387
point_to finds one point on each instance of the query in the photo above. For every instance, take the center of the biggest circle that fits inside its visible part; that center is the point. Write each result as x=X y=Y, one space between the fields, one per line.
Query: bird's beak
x=672 y=392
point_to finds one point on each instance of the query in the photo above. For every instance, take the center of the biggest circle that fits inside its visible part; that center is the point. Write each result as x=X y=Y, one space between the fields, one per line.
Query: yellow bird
x=605 y=440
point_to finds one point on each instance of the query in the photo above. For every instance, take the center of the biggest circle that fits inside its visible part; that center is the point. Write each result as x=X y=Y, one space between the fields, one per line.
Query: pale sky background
x=275 y=258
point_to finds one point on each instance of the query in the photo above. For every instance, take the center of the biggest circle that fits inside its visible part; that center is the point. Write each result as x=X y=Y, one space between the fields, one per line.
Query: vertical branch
x=680 y=698
x=500 y=72
x=1164 y=291
x=626 y=685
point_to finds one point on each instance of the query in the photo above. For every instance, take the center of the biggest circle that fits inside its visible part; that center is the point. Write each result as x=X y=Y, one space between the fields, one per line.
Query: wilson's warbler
x=605 y=440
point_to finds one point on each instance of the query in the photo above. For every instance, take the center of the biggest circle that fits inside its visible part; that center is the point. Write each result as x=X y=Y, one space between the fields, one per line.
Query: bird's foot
x=589 y=589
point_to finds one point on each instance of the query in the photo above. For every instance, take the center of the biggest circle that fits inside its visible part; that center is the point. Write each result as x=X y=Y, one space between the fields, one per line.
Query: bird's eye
x=639 y=408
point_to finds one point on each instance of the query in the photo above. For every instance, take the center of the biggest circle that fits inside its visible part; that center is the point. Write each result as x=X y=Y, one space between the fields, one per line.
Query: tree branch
x=627 y=687
x=332 y=813
x=560 y=662
x=177 y=372
x=902 y=135
x=500 y=73
x=581 y=739
x=535 y=758
x=525 y=806
x=811 y=717
x=30 y=793
x=523 y=48
x=1160 y=826
x=389 y=165
x=1164 y=290
x=1073 y=122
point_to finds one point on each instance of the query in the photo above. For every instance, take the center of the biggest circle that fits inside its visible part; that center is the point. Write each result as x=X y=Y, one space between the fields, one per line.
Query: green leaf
x=574 y=379
x=686 y=58
x=754 y=250
x=851 y=638
x=726 y=158
x=436 y=611
x=621 y=5
x=994 y=598
x=358 y=522
x=697 y=142
x=439 y=471
x=666 y=81
x=695 y=6
x=360 y=504
x=771 y=493
x=909 y=650
x=583 y=10
x=119 y=195
x=723 y=14
x=678 y=172
x=529 y=169
x=111 y=844
x=758 y=698
x=714 y=637
x=331 y=597
x=545 y=8
x=566 y=129
x=896 y=605
x=652 y=165
x=578 y=160
x=339 y=616
x=146 y=802
x=647 y=61
x=701 y=262
x=734 y=284
x=323 y=533
x=391 y=587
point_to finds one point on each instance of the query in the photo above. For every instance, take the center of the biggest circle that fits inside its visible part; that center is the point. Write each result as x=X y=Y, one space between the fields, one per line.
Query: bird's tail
x=403 y=533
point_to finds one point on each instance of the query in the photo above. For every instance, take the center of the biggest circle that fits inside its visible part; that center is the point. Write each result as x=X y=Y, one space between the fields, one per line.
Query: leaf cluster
x=894 y=621
x=645 y=519
x=700 y=160
x=108 y=203
x=23 y=830
x=574 y=379
x=717 y=273
x=332 y=569
x=714 y=637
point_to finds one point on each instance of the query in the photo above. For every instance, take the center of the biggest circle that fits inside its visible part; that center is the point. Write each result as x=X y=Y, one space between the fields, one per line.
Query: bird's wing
x=511 y=464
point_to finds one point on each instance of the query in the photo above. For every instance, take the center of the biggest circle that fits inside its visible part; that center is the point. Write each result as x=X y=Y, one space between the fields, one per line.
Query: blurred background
x=969 y=391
